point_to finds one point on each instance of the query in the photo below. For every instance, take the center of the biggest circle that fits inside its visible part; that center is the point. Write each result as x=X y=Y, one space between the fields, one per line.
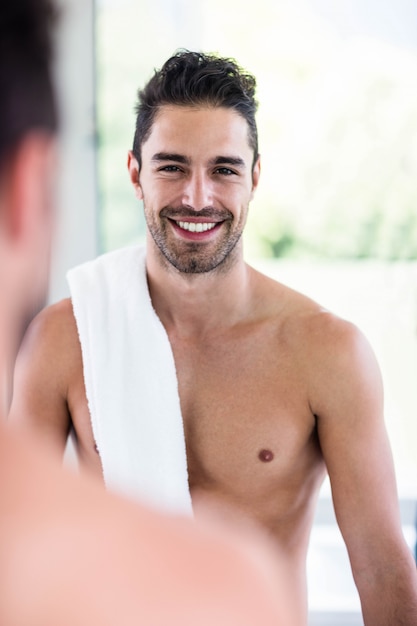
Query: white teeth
x=197 y=227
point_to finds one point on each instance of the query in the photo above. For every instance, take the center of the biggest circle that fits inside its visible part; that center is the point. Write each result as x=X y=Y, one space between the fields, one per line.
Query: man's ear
x=133 y=168
x=256 y=172
x=27 y=187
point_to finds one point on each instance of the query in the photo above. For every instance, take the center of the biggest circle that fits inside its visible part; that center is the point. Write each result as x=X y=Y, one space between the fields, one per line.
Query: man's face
x=196 y=182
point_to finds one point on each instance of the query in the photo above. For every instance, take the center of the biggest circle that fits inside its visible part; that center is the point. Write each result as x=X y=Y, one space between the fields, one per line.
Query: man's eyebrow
x=180 y=158
x=228 y=160
x=169 y=156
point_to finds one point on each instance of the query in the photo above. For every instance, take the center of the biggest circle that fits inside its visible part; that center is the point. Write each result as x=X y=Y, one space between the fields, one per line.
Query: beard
x=194 y=257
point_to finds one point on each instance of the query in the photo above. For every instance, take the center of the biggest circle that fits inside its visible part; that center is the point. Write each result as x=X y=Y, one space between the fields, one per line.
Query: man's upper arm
x=348 y=402
x=43 y=373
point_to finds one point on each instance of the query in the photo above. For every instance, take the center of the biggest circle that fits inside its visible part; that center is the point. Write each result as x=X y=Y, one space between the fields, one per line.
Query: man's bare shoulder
x=334 y=361
x=287 y=306
x=55 y=322
x=309 y=327
x=52 y=333
x=48 y=363
x=334 y=357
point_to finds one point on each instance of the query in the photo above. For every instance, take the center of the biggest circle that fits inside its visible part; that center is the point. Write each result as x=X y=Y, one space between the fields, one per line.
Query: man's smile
x=196 y=227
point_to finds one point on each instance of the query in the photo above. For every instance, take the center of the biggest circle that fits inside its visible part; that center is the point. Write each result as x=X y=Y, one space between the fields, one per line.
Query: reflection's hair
x=26 y=95
x=196 y=79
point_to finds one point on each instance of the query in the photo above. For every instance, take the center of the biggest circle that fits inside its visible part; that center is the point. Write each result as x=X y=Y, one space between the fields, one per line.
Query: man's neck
x=196 y=304
x=5 y=381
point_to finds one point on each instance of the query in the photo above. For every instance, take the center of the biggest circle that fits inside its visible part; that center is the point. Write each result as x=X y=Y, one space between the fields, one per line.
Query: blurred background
x=335 y=215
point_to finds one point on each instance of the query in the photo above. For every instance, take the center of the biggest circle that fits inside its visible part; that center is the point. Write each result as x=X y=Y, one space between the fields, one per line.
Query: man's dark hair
x=196 y=79
x=27 y=99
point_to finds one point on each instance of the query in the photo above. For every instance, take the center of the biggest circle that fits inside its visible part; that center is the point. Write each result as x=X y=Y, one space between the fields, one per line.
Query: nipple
x=265 y=456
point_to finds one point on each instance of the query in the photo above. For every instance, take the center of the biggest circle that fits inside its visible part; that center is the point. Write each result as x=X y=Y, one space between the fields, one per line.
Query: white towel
x=130 y=380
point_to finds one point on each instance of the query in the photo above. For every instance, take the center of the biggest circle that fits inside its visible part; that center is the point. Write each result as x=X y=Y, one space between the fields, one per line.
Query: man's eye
x=169 y=168
x=225 y=171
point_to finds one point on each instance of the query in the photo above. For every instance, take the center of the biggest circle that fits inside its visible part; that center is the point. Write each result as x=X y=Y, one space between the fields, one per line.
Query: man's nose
x=198 y=192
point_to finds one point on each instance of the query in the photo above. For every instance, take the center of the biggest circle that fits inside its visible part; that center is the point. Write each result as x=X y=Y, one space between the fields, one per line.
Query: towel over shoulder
x=130 y=380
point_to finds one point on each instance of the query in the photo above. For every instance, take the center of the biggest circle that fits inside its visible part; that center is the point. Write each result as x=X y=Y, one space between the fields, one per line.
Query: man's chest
x=246 y=416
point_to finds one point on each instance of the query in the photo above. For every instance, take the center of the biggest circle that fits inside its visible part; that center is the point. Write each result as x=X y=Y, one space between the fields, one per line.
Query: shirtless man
x=274 y=390
x=70 y=553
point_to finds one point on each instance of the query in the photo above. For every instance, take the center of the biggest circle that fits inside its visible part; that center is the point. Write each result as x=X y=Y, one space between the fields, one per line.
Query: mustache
x=185 y=210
